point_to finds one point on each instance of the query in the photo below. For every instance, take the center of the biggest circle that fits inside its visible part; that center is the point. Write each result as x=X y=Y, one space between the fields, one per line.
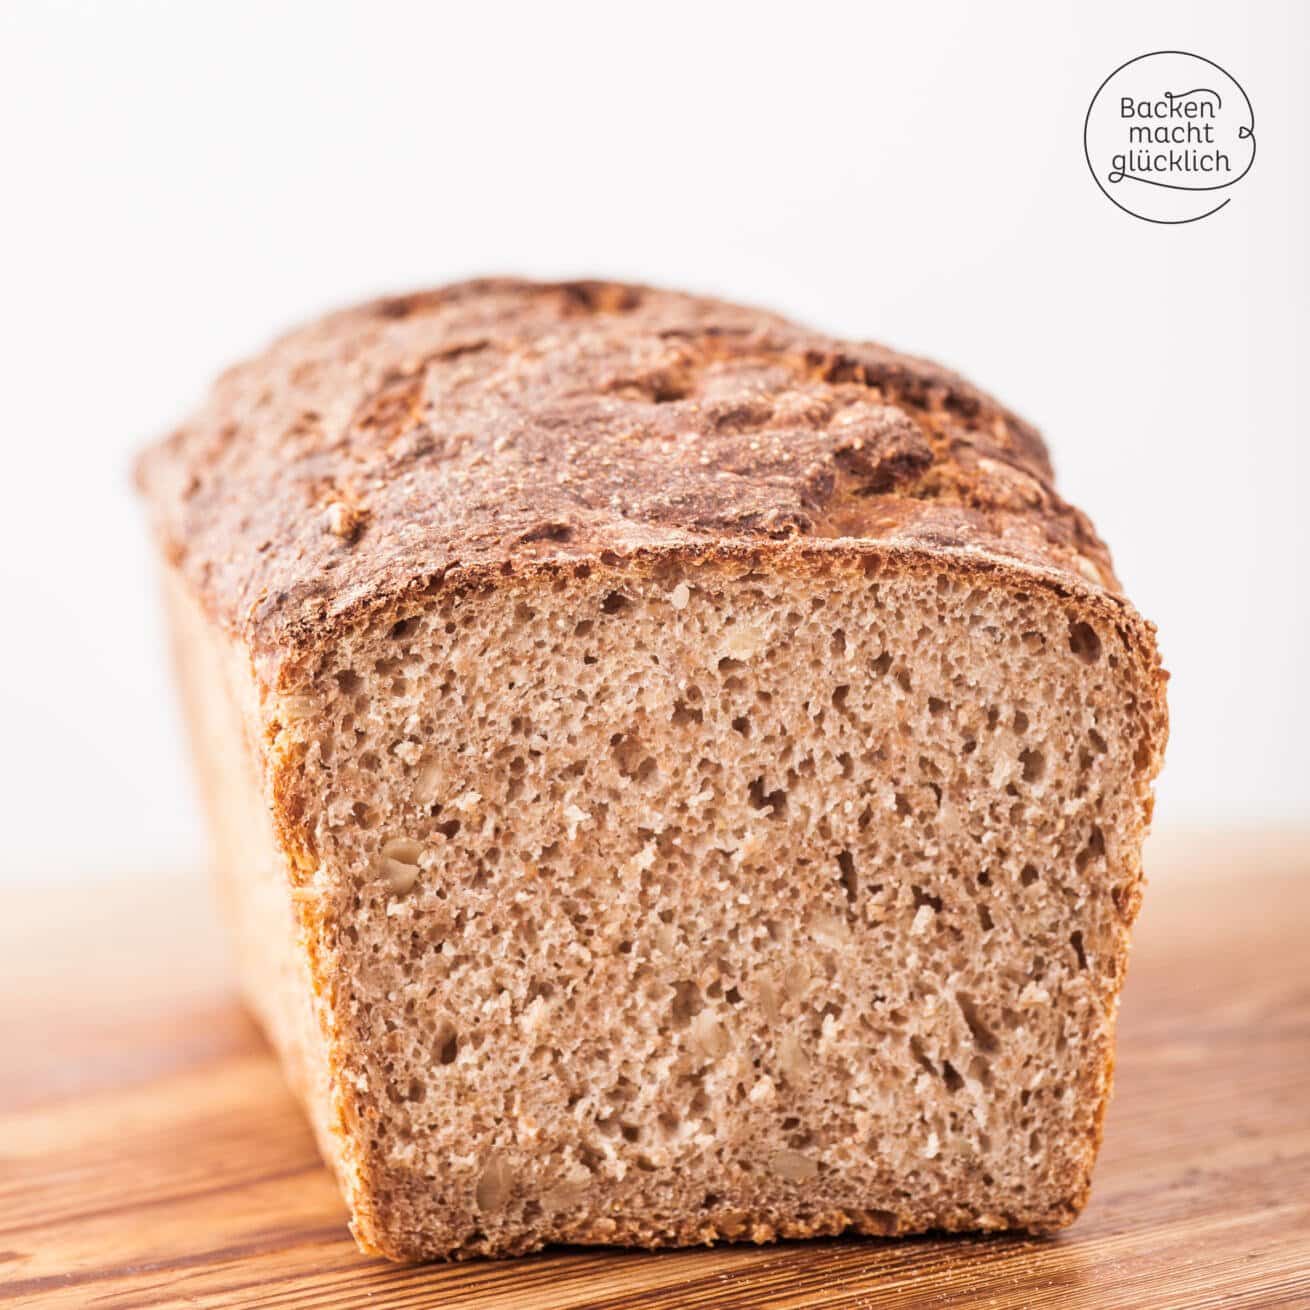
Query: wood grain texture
x=150 y=1154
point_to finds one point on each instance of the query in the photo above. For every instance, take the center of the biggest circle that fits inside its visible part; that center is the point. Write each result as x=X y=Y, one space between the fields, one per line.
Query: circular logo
x=1168 y=135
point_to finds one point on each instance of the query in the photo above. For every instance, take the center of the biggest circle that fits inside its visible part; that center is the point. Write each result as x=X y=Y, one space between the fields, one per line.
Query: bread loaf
x=673 y=776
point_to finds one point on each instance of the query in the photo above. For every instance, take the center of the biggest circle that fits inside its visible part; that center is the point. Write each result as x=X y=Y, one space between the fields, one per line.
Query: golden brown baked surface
x=495 y=422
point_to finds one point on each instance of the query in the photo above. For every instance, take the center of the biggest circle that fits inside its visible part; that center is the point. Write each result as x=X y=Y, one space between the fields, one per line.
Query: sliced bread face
x=733 y=899
x=673 y=776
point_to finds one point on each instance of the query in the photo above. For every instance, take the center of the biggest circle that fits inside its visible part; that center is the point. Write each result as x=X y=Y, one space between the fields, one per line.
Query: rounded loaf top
x=499 y=422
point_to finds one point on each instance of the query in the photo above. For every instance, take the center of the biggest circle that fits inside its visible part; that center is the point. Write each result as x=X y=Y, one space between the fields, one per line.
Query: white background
x=179 y=181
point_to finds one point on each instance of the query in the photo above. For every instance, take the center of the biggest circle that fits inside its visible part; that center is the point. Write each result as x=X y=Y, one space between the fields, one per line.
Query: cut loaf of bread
x=673 y=776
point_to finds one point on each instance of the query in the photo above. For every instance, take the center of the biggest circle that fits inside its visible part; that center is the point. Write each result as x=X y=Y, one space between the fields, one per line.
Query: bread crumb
x=402 y=877
x=639 y=863
x=534 y=1016
x=792 y=1057
x=829 y=929
x=495 y=1185
x=574 y=817
x=793 y=1166
x=743 y=642
x=708 y=1036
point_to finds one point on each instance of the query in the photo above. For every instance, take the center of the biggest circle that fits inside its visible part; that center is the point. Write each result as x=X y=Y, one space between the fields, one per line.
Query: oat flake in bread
x=673 y=776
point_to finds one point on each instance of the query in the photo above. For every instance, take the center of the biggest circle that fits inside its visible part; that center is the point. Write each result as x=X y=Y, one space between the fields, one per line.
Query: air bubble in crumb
x=679 y=596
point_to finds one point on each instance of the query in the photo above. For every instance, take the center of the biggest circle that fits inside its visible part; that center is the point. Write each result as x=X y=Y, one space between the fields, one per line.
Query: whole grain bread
x=673 y=776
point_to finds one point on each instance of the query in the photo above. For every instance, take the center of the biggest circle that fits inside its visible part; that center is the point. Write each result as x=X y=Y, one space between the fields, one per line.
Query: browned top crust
x=497 y=423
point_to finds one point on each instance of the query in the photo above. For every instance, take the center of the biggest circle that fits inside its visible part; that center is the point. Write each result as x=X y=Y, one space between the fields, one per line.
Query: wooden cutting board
x=151 y=1156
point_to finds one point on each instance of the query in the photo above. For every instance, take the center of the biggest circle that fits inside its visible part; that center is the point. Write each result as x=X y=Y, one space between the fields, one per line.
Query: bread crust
x=499 y=429
x=496 y=424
